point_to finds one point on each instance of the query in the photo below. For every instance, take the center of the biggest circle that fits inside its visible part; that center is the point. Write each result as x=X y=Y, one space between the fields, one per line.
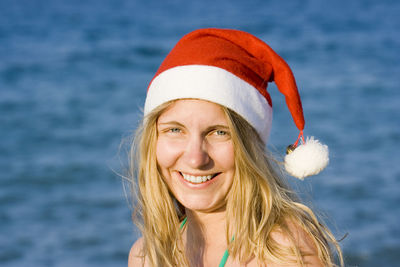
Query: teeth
x=196 y=179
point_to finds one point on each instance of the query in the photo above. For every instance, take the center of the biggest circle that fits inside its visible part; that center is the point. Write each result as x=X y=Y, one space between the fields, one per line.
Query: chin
x=201 y=204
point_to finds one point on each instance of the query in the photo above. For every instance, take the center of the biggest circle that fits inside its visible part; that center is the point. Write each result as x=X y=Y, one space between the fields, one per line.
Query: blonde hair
x=258 y=194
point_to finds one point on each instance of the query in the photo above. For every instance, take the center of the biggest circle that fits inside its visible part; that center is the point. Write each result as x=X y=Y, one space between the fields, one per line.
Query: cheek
x=167 y=153
x=224 y=156
x=230 y=158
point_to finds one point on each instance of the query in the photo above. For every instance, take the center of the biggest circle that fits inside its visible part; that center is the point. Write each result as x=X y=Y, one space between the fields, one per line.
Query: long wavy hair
x=265 y=203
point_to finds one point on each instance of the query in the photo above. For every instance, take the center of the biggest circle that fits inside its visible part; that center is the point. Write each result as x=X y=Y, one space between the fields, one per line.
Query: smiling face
x=195 y=154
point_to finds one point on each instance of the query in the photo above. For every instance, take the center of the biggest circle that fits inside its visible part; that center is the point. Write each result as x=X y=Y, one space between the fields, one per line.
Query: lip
x=197 y=185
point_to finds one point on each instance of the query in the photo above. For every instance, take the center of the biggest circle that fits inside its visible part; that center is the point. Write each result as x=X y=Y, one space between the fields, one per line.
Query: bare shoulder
x=298 y=235
x=136 y=254
x=301 y=239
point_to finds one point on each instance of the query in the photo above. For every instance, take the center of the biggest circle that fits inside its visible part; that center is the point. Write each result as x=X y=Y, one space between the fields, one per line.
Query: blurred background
x=73 y=77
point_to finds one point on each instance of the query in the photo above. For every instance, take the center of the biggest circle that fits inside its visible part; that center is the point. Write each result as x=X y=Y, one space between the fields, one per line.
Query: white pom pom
x=307 y=159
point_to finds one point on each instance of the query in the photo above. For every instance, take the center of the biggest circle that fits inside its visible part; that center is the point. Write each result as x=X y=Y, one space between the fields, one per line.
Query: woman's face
x=195 y=154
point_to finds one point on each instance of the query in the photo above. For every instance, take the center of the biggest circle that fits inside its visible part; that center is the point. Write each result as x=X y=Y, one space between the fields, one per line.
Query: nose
x=196 y=154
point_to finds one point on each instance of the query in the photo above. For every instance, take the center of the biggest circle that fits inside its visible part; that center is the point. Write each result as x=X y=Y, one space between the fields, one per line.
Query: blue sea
x=73 y=78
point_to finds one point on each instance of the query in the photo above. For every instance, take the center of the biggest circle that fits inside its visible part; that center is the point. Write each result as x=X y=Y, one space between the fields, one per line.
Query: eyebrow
x=181 y=125
x=218 y=126
x=171 y=123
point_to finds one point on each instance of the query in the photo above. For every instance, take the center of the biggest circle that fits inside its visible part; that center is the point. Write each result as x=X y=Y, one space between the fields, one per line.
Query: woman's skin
x=194 y=144
x=194 y=139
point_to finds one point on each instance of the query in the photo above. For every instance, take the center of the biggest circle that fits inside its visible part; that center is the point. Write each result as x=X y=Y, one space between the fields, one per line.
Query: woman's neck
x=208 y=225
x=205 y=236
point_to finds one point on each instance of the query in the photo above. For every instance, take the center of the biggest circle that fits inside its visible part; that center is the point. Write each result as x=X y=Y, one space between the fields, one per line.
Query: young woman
x=208 y=192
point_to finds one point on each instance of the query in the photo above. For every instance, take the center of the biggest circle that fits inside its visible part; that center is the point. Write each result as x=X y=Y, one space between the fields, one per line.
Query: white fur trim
x=213 y=84
x=307 y=159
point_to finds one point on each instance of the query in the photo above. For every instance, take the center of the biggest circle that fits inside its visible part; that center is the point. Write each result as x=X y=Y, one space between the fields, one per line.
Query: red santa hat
x=232 y=68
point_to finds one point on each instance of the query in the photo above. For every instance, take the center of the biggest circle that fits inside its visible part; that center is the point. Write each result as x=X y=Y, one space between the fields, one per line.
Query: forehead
x=194 y=110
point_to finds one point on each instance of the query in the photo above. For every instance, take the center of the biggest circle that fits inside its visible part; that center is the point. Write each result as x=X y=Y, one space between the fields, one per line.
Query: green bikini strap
x=183 y=223
x=226 y=253
x=224 y=259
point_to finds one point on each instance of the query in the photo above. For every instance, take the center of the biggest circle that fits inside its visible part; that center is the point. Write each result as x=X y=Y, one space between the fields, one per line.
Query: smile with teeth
x=197 y=179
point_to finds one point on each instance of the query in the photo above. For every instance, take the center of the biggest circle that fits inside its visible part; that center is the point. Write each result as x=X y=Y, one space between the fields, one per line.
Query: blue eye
x=175 y=130
x=220 y=132
x=219 y=135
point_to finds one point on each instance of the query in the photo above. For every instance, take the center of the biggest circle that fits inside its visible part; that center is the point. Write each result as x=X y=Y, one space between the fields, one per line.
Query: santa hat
x=232 y=68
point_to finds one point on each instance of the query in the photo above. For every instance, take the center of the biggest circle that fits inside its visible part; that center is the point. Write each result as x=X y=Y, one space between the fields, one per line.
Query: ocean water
x=73 y=77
